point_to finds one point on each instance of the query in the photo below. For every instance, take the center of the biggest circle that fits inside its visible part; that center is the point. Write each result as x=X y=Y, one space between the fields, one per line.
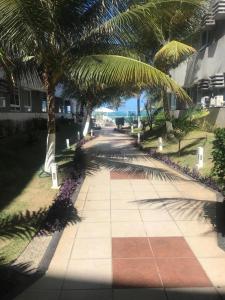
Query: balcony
x=208 y=22
x=217 y=81
x=204 y=84
x=218 y=10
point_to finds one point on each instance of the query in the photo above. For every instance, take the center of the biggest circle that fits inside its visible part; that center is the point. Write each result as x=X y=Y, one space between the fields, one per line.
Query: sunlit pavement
x=150 y=234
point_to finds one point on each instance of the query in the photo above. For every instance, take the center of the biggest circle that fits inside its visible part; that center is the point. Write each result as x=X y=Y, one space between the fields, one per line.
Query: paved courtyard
x=146 y=232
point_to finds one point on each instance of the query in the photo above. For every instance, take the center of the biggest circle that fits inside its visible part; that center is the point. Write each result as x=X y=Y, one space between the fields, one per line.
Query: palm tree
x=168 y=57
x=59 y=37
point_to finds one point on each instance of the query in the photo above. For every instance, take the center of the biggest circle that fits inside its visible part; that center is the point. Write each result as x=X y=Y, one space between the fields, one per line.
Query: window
x=43 y=103
x=44 y=106
x=25 y=96
x=15 y=100
x=4 y=92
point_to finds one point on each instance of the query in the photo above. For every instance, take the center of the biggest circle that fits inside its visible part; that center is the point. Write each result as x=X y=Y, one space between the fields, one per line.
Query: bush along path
x=34 y=260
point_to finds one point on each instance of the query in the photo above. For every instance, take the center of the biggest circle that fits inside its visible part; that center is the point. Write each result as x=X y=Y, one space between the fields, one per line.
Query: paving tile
x=182 y=272
x=143 y=189
x=155 y=215
x=52 y=280
x=131 y=248
x=101 y=196
x=205 y=246
x=140 y=293
x=120 y=195
x=214 y=268
x=170 y=247
x=91 y=248
x=88 y=274
x=126 y=175
x=125 y=215
x=120 y=183
x=196 y=228
x=81 y=197
x=169 y=187
x=86 y=295
x=94 y=230
x=136 y=183
x=79 y=205
x=192 y=293
x=96 y=205
x=99 y=189
x=163 y=228
x=84 y=187
x=146 y=196
x=167 y=195
x=135 y=273
x=91 y=216
x=128 y=229
x=201 y=195
x=123 y=204
x=38 y=295
x=154 y=203
x=186 y=213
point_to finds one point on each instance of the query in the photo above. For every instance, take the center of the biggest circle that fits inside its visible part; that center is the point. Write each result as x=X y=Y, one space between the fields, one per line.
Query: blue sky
x=131 y=105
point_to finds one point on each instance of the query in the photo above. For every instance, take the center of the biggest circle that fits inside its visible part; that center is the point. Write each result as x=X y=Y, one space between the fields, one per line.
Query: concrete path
x=147 y=232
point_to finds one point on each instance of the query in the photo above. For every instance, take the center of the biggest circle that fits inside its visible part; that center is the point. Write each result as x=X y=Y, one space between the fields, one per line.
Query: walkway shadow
x=122 y=161
x=15 y=278
x=56 y=287
x=194 y=209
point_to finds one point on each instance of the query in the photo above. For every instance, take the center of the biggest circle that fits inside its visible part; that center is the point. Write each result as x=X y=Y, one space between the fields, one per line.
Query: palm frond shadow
x=15 y=277
x=194 y=209
x=124 y=162
x=44 y=221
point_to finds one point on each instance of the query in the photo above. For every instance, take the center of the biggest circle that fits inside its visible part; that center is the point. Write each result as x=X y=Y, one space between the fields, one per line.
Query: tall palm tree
x=59 y=37
x=168 y=57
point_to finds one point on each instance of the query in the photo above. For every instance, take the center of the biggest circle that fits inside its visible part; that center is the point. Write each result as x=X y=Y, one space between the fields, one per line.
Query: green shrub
x=218 y=154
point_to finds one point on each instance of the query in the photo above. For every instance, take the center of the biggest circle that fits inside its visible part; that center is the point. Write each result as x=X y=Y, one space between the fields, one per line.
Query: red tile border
x=170 y=247
x=172 y=263
x=131 y=248
x=135 y=273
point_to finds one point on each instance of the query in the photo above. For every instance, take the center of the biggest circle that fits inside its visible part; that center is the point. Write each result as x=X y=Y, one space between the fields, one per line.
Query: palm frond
x=171 y=54
x=113 y=70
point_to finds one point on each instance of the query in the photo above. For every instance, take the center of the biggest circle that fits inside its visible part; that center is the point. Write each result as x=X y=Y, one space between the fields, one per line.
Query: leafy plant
x=188 y=121
x=218 y=154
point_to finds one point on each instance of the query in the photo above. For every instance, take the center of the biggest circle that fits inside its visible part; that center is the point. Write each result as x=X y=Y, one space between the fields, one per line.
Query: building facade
x=28 y=100
x=203 y=74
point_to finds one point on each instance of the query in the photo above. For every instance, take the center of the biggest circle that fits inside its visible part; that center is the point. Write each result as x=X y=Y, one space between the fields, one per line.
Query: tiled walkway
x=146 y=233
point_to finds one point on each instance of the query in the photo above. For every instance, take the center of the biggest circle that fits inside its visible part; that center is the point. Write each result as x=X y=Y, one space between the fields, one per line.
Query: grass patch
x=189 y=146
x=21 y=186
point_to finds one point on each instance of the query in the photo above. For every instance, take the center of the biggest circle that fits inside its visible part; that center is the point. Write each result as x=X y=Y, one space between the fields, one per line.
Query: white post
x=67 y=143
x=78 y=135
x=132 y=128
x=91 y=132
x=139 y=138
x=54 y=176
x=160 y=144
x=200 y=156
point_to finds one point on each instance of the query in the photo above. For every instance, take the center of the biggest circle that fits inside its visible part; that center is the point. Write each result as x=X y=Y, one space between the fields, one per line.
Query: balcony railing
x=218 y=10
x=208 y=22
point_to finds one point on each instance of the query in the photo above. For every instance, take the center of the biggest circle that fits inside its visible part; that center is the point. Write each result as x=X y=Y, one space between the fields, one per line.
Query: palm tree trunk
x=138 y=111
x=87 y=124
x=51 y=138
x=169 y=125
